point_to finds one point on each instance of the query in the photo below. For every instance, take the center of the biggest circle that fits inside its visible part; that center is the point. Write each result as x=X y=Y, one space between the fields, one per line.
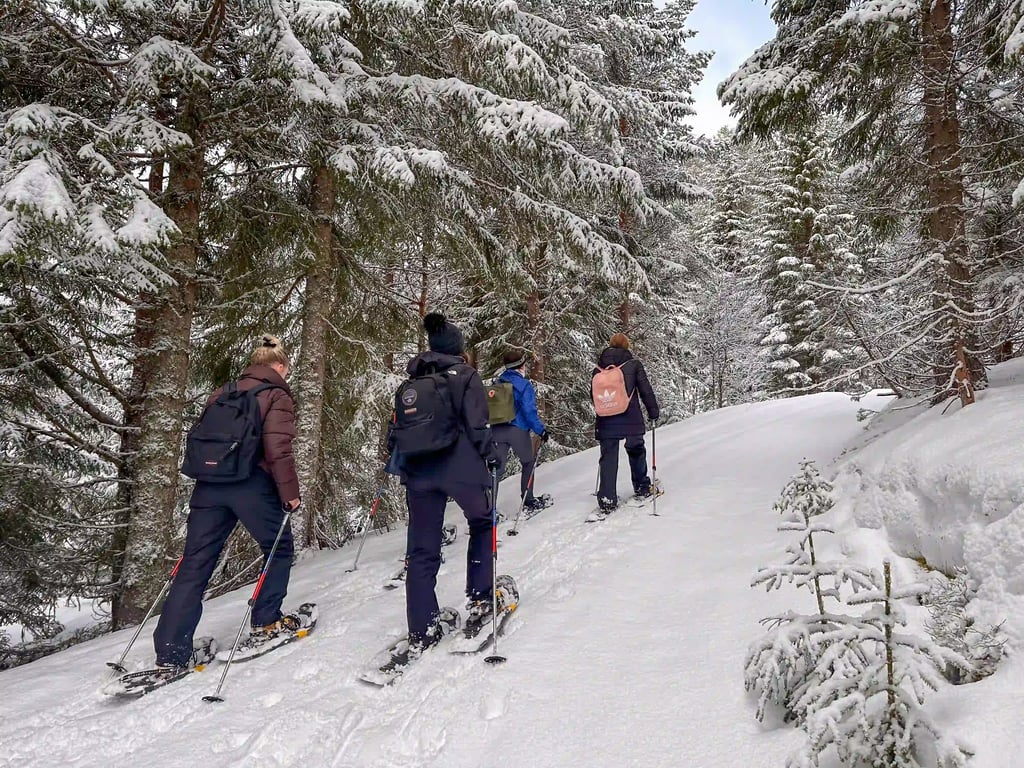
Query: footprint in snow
x=494 y=704
x=271 y=699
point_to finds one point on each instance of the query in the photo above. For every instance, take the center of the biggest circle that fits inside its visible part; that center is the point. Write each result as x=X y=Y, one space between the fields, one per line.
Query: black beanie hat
x=442 y=336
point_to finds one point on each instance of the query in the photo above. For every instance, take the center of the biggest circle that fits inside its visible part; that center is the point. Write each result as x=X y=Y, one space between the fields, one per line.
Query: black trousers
x=507 y=437
x=427 y=501
x=636 y=451
x=214 y=510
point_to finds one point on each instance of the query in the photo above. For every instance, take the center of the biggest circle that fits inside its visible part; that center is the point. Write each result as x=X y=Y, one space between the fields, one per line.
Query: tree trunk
x=424 y=292
x=389 y=368
x=320 y=295
x=945 y=223
x=163 y=327
x=536 y=332
x=625 y=311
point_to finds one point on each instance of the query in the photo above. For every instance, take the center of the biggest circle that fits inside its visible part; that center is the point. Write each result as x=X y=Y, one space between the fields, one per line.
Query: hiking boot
x=168 y=671
x=606 y=505
x=446 y=622
x=533 y=504
x=478 y=610
x=643 y=492
x=288 y=624
x=204 y=649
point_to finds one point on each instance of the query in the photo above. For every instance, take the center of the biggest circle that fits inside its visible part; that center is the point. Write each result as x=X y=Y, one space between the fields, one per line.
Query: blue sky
x=733 y=29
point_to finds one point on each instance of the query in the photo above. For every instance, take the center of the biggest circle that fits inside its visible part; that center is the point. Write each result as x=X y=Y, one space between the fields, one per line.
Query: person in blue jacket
x=515 y=435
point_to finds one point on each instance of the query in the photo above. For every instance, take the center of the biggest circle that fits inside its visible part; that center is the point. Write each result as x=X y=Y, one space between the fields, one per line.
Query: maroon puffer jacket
x=278 y=411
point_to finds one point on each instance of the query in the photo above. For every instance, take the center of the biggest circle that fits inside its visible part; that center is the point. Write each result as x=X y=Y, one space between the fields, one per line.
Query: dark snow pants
x=636 y=451
x=214 y=510
x=507 y=437
x=427 y=501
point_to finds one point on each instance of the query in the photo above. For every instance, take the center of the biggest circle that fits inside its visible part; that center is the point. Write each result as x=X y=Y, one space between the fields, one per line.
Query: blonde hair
x=619 y=340
x=270 y=350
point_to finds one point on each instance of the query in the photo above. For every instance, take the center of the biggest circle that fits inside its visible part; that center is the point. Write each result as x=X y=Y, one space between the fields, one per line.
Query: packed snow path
x=627 y=648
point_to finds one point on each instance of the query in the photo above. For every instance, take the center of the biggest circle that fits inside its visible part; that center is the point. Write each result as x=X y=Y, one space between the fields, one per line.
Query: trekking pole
x=494 y=658
x=654 y=465
x=366 y=523
x=118 y=666
x=514 y=530
x=597 y=482
x=248 y=611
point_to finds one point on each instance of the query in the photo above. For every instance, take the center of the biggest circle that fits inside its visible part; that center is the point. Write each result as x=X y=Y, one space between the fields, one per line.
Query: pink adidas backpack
x=609 y=391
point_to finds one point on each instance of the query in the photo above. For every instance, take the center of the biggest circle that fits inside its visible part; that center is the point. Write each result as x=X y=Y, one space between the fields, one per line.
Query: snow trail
x=627 y=648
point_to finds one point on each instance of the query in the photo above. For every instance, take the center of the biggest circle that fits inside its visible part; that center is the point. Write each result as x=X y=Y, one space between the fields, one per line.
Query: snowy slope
x=627 y=648
x=948 y=487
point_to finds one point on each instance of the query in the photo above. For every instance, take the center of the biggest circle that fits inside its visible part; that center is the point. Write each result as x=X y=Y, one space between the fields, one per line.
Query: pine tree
x=803 y=245
x=853 y=683
x=794 y=655
x=895 y=72
x=867 y=704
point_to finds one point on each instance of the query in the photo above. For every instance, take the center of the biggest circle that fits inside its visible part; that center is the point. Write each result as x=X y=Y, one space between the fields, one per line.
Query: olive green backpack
x=501 y=402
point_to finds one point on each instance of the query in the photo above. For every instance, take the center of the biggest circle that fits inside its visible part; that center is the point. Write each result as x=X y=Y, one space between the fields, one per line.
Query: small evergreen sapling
x=783 y=664
x=867 y=702
x=951 y=627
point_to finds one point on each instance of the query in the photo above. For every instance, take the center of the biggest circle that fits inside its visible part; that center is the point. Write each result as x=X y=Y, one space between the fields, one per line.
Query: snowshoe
x=392 y=662
x=645 y=496
x=536 y=505
x=398 y=580
x=448 y=535
x=604 y=508
x=479 y=630
x=289 y=628
x=133 y=685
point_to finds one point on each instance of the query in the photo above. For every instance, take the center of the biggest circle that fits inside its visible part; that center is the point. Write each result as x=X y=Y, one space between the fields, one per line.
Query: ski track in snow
x=627 y=648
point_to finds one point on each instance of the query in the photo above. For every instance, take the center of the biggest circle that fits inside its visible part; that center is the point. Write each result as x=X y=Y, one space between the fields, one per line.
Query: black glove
x=653 y=421
x=492 y=464
x=543 y=436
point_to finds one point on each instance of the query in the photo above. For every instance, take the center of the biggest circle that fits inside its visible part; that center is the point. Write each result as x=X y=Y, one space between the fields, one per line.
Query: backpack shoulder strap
x=262 y=387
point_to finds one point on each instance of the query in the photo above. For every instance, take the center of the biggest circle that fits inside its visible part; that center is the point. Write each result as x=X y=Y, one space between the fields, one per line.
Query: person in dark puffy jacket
x=515 y=435
x=460 y=472
x=627 y=426
x=256 y=502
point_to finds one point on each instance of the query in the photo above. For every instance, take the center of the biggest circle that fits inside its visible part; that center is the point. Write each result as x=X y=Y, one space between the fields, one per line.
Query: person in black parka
x=461 y=472
x=628 y=425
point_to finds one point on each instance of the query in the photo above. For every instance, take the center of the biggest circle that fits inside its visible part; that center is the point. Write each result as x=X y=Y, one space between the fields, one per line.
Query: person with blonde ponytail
x=269 y=487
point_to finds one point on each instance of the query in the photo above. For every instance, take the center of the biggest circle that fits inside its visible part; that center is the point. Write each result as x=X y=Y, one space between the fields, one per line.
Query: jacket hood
x=614 y=356
x=419 y=364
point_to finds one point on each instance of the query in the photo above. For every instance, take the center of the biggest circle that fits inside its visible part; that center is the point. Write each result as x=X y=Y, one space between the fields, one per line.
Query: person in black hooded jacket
x=461 y=472
x=628 y=425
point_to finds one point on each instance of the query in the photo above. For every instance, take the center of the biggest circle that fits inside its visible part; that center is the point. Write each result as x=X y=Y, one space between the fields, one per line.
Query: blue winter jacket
x=527 y=417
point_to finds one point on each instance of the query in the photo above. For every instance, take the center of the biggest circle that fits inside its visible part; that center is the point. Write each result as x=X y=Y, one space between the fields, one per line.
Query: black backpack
x=426 y=419
x=226 y=443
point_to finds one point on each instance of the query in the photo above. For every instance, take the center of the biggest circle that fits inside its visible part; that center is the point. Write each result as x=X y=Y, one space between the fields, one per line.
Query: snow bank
x=947 y=489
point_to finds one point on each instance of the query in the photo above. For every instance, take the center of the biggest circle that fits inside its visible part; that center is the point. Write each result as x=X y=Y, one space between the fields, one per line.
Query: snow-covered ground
x=74 y=615
x=627 y=648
